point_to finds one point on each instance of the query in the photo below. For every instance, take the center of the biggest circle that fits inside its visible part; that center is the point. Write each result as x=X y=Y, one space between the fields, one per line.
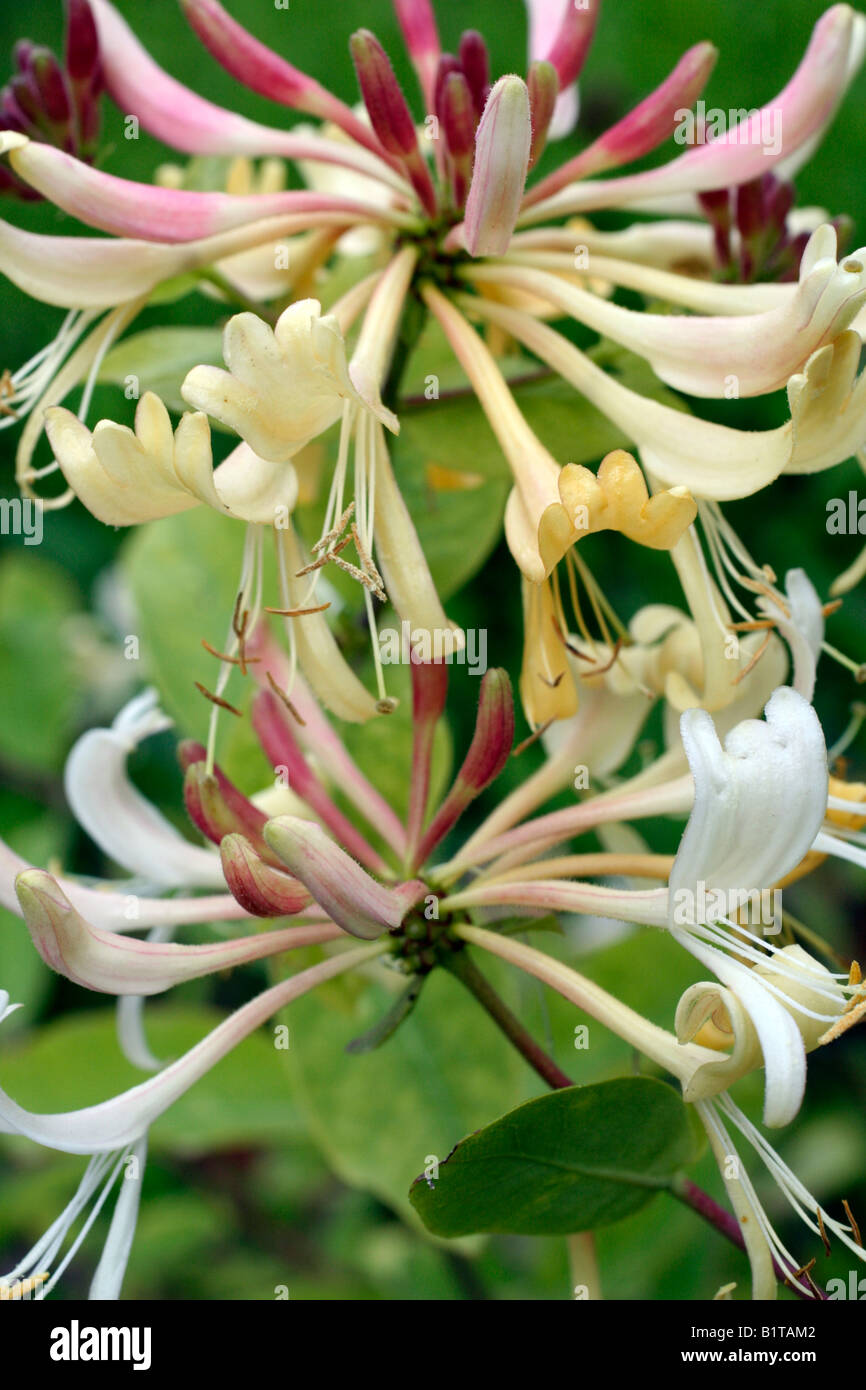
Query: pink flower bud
x=458 y=125
x=501 y=163
x=258 y=886
x=475 y=62
x=389 y=114
x=82 y=43
x=217 y=808
x=351 y=898
x=487 y=755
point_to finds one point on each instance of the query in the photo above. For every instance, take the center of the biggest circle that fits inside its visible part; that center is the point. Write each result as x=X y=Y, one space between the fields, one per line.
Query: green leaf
x=378 y=1116
x=570 y=1161
x=77 y=1062
x=183 y=572
x=159 y=359
x=38 y=676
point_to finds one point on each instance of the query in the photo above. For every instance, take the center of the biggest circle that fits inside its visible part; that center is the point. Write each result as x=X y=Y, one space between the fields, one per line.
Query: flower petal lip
x=781 y=1042
x=502 y=146
x=113 y=964
x=353 y=899
x=282 y=386
x=759 y=801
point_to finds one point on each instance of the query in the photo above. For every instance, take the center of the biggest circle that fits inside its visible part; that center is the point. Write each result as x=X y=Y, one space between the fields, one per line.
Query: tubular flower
x=461 y=230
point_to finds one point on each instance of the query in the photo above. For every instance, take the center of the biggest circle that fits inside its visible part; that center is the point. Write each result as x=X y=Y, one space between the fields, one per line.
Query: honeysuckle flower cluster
x=440 y=208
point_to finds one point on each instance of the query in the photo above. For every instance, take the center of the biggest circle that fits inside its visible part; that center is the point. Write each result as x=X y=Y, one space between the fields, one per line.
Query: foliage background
x=255 y=1183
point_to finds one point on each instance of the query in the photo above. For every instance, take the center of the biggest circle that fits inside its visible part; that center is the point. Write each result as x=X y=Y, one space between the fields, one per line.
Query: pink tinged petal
x=697 y=354
x=568 y=47
x=281 y=746
x=649 y=907
x=353 y=899
x=389 y=115
x=759 y=801
x=162 y=214
x=653 y=120
x=543 y=86
x=429 y=691
x=501 y=163
x=188 y=122
x=774 y=133
x=488 y=753
x=118 y=906
x=125 y=1118
x=317 y=736
x=475 y=64
x=418 y=23
x=263 y=890
x=265 y=72
x=113 y=964
x=570 y=40
x=118 y=818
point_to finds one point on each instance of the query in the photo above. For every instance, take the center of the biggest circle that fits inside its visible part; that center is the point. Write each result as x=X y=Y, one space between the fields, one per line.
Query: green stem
x=469 y=975
x=411 y=327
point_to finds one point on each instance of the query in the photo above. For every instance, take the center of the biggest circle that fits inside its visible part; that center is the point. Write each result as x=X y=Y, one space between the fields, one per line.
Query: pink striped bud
x=487 y=755
x=475 y=62
x=543 y=86
x=386 y=105
x=258 y=886
x=351 y=898
x=501 y=163
x=389 y=114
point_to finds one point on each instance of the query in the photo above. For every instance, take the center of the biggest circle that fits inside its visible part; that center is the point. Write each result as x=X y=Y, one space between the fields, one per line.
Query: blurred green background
x=290 y=1170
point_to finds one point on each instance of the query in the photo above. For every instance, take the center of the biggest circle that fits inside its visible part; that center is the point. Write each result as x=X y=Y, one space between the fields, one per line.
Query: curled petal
x=801 y=623
x=617 y=500
x=775 y=133
x=699 y=354
x=124 y=825
x=759 y=800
